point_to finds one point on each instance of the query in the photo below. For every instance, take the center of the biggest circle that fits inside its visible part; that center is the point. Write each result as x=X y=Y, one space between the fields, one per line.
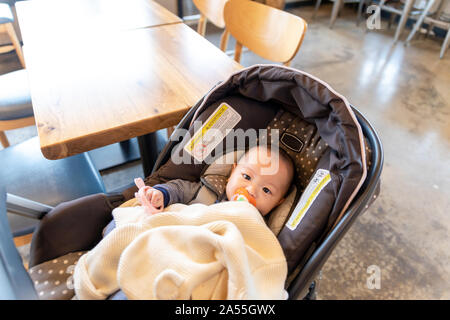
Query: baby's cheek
x=266 y=206
x=260 y=205
x=228 y=190
x=232 y=184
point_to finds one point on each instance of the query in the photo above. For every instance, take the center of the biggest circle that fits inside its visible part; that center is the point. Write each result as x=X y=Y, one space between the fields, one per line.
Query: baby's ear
x=234 y=165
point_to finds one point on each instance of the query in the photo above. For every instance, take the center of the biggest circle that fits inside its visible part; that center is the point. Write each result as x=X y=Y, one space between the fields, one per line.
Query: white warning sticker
x=321 y=178
x=212 y=132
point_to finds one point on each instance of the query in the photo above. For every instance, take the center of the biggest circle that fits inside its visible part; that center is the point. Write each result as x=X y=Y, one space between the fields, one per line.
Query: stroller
x=337 y=155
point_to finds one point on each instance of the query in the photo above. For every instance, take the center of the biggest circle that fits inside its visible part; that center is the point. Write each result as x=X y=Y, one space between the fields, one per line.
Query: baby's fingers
x=157 y=199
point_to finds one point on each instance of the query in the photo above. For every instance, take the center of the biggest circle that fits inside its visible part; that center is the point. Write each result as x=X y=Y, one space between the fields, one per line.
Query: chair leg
x=429 y=29
x=391 y=20
x=201 y=28
x=334 y=13
x=445 y=44
x=436 y=16
x=341 y=7
x=237 y=52
x=316 y=8
x=15 y=41
x=360 y=8
x=224 y=40
x=405 y=14
x=4 y=140
x=420 y=21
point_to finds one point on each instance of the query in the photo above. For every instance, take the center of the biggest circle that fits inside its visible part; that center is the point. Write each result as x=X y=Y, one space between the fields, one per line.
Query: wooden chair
x=6 y=24
x=16 y=110
x=270 y=33
x=212 y=10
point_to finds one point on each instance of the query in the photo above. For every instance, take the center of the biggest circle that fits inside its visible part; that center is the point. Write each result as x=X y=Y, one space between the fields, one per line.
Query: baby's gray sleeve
x=180 y=191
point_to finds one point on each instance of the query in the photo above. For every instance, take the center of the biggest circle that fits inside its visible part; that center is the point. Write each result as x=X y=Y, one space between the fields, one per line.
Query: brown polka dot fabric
x=216 y=175
x=300 y=140
x=53 y=279
x=217 y=183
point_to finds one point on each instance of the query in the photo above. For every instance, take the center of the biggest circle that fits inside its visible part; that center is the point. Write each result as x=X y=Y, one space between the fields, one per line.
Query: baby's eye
x=246 y=176
x=266 y=190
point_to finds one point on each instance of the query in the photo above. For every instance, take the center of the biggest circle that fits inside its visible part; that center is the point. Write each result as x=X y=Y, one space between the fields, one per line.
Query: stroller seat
x=337 y=156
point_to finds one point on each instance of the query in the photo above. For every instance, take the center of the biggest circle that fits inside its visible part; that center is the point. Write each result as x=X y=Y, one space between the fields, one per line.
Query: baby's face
x=268 y=187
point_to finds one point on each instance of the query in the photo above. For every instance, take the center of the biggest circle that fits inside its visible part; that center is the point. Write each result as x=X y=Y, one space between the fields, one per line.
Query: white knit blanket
x=221 y=251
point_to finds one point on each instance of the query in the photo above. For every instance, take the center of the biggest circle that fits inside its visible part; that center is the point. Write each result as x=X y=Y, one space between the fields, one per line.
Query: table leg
x=405 y=15
x=150 y=146
x=115 y=154
x=420 y=20
x=180 y=8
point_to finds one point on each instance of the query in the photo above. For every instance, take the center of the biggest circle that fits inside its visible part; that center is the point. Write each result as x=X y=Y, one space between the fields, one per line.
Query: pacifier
x=241 y=194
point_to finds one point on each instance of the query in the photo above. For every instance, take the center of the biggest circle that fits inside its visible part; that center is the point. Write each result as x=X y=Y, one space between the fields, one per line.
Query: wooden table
x=72 y=19
x=96 y=91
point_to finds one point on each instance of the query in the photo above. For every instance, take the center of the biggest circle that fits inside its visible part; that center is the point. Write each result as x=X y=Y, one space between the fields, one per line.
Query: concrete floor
x=404 y=92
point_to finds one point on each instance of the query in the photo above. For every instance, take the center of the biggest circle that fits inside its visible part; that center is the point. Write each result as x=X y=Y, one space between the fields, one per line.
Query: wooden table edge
x=21 y=4
x=106 y=137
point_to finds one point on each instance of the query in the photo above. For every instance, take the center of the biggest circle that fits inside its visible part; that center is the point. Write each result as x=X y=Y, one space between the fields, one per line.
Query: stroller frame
x=303 y=285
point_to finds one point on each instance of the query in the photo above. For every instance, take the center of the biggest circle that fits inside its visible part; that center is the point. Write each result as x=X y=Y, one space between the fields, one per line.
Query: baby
x=265 y=175
x=262 y=174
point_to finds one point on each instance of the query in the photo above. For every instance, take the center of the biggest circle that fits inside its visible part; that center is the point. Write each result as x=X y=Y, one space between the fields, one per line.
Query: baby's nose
x=251 y=189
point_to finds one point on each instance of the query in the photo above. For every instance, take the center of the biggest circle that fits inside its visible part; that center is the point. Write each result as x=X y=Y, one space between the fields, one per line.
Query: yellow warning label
x=208 y=125
x=212 y=132
x=317 y=183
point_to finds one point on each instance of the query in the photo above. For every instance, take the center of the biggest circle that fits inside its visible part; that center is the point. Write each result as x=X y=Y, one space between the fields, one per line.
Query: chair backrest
x=212 y=10
x=271 y=33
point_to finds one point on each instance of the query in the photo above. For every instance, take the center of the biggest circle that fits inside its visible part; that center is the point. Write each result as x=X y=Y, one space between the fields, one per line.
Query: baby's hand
x=155 y=197
x=151 y=199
